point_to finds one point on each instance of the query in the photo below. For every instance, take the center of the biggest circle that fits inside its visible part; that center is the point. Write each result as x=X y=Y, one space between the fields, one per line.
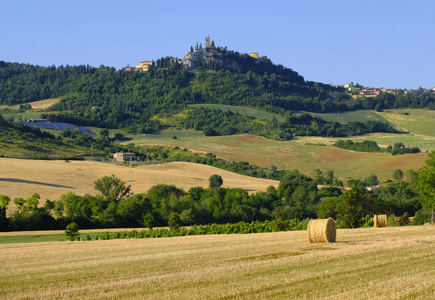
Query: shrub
x=72 y=231
x=392 y=220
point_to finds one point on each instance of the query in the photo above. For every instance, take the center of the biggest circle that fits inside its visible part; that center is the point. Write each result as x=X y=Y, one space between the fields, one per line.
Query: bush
x=392 y=220
x=72 y=232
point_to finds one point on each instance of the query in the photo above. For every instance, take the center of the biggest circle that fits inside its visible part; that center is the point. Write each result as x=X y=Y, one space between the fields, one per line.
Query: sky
x=374 y=43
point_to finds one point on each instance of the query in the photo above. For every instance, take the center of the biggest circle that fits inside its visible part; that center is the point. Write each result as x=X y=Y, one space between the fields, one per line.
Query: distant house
x=370 y=92
x=129 y=69
x=390 y=91
x=124 y=156
x=414 y=92
x=144 y=65
x=254 y=55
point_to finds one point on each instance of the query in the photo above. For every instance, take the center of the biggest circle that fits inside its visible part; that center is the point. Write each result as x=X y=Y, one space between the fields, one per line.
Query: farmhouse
x=124 y=156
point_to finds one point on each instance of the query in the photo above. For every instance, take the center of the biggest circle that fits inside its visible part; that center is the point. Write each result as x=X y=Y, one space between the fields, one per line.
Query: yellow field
x=41 y=104
x=51 y=179
x=372 y=263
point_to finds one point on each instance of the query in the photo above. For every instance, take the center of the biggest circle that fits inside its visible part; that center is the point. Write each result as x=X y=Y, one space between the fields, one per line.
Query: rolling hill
x=51 y=179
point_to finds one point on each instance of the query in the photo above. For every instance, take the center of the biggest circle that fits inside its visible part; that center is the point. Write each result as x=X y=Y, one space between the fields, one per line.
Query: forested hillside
x=110 y=98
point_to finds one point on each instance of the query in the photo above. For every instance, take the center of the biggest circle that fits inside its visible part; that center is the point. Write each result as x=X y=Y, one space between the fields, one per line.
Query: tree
x=133 y=209
x=215 y=181
x=411 y=175
x=426 y=183
x=112 y=188
x=174 y=222
x=4 y=202
x=372 y=179
x=398 y=175
x=72 y=231
x=148 y=221
x=352 y=206
x=327 y=208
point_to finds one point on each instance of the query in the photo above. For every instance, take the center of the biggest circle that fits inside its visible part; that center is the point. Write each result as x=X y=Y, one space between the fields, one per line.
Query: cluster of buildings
x=376 y=91
x=142 y=67
x=191 y=59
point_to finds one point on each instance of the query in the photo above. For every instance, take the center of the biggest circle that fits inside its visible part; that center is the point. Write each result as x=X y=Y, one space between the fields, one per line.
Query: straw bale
x=380 y=221
x=321 y=231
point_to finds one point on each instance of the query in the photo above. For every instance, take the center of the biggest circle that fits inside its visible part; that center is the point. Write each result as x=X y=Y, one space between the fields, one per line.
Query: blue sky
x=375 y=43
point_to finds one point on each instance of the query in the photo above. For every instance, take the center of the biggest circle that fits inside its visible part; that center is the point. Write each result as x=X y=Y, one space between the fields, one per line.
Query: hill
x=304 y=154
x=20 y=141
x=51 y=179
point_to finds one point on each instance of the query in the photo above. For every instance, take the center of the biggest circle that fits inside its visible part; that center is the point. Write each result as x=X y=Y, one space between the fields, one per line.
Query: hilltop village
x=210 y=55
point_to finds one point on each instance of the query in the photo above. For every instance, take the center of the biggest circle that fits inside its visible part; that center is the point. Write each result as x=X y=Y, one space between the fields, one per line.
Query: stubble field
x=50 y=179
x=370 y=263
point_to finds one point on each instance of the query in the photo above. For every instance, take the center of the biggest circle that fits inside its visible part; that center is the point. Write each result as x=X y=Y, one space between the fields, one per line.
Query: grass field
x=51 y=179
x=19 y=237
x=299 y=155
x=346 y=117
x=302 y=154
x=418 y=122
x=256 y=113
x=381 y=263
x=34 y=113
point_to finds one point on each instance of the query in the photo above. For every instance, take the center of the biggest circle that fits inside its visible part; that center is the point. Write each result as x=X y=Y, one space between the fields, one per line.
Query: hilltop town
x=220 y=57
x=209 y=56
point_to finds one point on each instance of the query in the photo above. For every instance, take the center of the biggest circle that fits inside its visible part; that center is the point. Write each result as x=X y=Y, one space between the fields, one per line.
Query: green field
x=167 y=135
x=36 y=238
x=417 y=112
x=256 y=113
x=417 y=122
x=366 y=263
x=24 y=237
x=349 y=116
x=304 y=154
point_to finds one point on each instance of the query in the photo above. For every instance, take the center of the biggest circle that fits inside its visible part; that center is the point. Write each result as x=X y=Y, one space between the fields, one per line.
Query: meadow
x=256 y=113
x=305 y=154
x=309 y=153
x=366 y=263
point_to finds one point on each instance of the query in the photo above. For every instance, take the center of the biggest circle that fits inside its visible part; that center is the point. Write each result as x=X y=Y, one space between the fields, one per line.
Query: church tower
x=207 y=42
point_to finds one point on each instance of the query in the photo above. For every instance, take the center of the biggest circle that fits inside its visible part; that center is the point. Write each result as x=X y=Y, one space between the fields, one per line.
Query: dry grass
x=51 y=179
x=392 y=263
x=41 y=104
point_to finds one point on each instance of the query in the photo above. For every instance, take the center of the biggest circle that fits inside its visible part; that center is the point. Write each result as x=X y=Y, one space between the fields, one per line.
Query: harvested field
x=51 y=179
x=42 y=104
x=369 y=263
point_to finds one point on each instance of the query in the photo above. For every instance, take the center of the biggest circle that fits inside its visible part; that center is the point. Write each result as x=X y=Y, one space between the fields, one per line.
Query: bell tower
x=207 y=42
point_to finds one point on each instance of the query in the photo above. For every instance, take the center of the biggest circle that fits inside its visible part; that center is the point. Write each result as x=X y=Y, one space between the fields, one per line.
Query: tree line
x=215 y=122
x=296 y=198
x=372 y=146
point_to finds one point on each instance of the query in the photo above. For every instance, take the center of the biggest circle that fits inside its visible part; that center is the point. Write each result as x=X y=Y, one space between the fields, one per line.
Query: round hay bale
x=321 y=231
x=380 y=221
